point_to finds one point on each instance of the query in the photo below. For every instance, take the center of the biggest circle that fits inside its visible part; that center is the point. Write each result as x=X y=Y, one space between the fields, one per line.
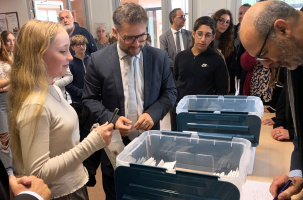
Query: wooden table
x=272 y=157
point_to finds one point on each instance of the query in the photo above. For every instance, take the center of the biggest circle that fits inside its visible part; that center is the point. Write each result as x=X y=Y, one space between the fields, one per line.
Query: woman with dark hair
x=224 y=41
x=199 y=69
x=8 y=38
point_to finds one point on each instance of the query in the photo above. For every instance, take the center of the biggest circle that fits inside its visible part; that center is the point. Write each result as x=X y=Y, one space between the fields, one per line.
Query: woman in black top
x=199 y=69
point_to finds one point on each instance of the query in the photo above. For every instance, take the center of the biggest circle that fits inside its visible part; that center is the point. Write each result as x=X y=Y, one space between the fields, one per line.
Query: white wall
x=101 y=13
x=19 y=6
x=206 y=7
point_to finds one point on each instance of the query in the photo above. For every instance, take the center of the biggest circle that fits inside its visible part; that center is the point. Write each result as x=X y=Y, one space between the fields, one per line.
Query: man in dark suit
x=169 y=39
x=24 y=188
x=271 y=31
x=143 y=89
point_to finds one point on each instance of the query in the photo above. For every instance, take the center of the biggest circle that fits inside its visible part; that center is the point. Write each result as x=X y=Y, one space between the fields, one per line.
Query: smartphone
x=113 y=116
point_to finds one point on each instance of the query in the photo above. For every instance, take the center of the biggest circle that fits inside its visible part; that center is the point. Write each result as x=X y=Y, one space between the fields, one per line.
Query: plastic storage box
x=213 y=103
x=222 y=117
x=197 y=159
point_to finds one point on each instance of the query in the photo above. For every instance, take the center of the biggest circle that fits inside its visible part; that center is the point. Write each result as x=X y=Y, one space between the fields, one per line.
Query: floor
x=96 y=192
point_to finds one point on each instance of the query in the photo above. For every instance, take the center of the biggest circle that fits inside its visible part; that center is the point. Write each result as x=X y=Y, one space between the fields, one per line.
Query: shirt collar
x=174 y=31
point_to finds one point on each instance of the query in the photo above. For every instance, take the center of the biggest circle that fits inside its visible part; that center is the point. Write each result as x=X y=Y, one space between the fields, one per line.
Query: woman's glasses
x=223 y=21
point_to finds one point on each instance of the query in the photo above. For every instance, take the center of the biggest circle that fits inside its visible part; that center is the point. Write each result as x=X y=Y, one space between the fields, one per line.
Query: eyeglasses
x=182 y=16
x=200 y=34
x=101 y=31
x=132 y=39
x=80 y=45
x=260 y=52
x=222 y=21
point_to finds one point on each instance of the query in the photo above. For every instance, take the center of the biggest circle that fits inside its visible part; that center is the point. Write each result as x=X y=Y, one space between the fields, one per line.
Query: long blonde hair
x=29 y=77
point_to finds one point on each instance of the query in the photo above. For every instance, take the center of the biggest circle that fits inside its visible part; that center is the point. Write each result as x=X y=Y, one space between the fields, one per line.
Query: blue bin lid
x=148 y=182
x=224 y=125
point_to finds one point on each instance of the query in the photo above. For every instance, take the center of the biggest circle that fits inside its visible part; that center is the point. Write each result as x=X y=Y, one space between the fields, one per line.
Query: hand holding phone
x=113 y=116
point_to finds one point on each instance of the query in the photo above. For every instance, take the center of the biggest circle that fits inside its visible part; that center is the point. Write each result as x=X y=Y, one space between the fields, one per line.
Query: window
x=298 y=4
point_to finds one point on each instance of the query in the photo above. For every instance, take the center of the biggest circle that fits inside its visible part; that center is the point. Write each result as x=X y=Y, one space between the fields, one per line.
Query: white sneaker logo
x=204 y=65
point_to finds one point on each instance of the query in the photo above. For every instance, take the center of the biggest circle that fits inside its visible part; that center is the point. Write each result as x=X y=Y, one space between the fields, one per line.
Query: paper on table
x=254 y=190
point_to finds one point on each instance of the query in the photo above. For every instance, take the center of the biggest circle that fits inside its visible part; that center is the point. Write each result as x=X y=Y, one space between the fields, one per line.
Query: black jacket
x=76 y=67
x=4 y=187
x=283 y=113
x=91 y=46
x=205 y=73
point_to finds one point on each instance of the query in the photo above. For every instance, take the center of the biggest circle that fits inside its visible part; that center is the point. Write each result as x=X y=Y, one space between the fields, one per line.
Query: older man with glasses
x=67 y=20
x=175 y=39
x=272 y=31
x=131 y=76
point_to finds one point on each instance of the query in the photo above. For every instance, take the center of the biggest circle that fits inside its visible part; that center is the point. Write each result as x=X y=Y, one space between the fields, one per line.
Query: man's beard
x=291 y=53
x=69 y=28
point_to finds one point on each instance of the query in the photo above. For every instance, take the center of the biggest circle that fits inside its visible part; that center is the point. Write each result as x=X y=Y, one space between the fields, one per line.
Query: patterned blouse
x=5 y=69
x=101 y=46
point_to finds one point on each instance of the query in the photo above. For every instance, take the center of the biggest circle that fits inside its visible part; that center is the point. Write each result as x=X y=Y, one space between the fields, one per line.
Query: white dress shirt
x=181 y=38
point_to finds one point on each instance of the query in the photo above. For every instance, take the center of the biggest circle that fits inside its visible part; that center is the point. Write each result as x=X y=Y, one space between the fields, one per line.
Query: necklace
x=57 y=94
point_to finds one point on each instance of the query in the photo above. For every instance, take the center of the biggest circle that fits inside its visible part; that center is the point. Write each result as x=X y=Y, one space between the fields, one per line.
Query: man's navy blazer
x=103 y=88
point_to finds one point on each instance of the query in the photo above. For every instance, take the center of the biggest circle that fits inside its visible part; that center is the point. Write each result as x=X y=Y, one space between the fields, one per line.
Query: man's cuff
x=295 y=172
x=32 y=193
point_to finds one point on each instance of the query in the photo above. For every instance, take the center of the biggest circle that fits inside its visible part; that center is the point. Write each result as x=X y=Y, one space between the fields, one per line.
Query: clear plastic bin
x=243 y=104
x=192 y=154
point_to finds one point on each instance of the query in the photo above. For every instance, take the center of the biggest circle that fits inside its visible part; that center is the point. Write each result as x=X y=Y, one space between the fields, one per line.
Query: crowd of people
x=57 y=147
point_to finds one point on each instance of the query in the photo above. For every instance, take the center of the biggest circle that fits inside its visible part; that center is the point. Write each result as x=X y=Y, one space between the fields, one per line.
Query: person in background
x=9 y=40
x=44 y=128
x=63 y=81
x=257 y=79
x=102 y=39
x=224 y=41
x=67 y=20
x=133 y=77
x=175 y=39
x=148 y=40
x=5 y=68
x=111 y=38
x=199 y=69
x=271 y=31
x=78 y=67
x=23 y=188
x=283 y=128
x=240 y=72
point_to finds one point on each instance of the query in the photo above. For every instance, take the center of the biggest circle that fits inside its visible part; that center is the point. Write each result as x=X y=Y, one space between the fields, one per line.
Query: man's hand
x=280 y=133
x=294 y=188
x=124 y=126
x=29 y=183
x=268 y=122
x=144 y=122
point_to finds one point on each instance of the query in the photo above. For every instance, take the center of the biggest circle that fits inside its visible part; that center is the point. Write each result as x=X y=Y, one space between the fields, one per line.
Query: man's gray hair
x=173 y=14
x=130 y=13
x=275 y=10
x=65 y=11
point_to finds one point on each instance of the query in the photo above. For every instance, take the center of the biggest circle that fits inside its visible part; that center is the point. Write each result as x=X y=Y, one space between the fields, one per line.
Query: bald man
x=272 y=32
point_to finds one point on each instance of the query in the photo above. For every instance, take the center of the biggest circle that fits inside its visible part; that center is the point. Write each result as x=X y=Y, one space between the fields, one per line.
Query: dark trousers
x=108 y=179
x=108 y=182
x=173 y=119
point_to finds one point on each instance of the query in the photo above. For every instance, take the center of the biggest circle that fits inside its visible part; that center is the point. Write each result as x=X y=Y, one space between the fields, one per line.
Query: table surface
x=272 y=157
